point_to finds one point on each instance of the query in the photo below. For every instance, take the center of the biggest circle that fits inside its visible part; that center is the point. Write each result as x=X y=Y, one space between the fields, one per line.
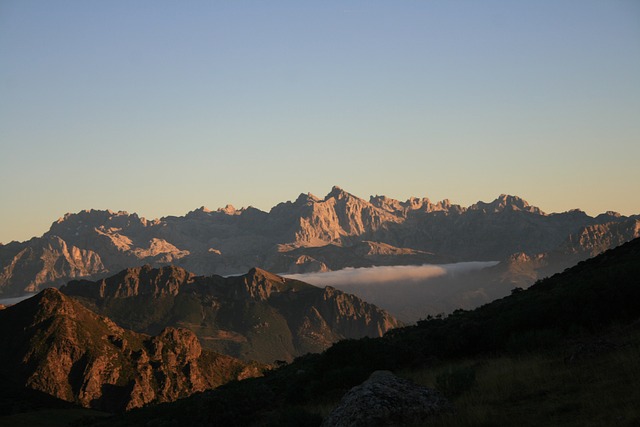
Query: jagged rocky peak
x=609 y=215
x=183 y=343
x=229 y=209
x=523 y=258
x=386 y=203
x=201 y=212
x=448 y=207
x=259 y=284
x=304 y=199
x=257 y=273
x=596 y=238
x=134 y=281
x=339 y=194
x=47 y=303
x=94 y=214
x=75 y=224
x=573 y=214
x=506 y=202
x=204 y=212
x=415 y=203
x=344 y=307
x=284 y=211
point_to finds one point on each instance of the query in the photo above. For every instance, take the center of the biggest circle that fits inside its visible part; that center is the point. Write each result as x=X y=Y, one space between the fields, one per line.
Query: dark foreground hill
x=54 y=345
x=522 y=340
x=256 y=316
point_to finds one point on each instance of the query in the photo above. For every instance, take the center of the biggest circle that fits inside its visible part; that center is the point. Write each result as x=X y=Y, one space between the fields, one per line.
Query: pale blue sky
x=159 y=107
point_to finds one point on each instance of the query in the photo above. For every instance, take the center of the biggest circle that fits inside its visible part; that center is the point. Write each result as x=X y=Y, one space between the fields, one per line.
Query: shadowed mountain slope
x=257 y=316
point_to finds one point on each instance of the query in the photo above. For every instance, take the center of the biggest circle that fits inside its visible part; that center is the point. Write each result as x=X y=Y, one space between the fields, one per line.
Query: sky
x=160 y=107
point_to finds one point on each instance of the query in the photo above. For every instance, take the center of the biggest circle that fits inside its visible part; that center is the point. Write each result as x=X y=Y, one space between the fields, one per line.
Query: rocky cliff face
x=522 y=269
x=50 y=261
x=594 y=239
x=133 y=282
x=291 y=237
x=59 y=347
x=257 y=316
x=336 y=218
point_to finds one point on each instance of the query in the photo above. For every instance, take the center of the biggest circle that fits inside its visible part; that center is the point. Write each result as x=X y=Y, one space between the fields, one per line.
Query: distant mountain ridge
x=351 y=231
x=256 y=316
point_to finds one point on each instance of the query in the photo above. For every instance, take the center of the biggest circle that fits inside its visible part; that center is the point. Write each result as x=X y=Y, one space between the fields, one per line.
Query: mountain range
x=151 y=335
x=257 y=316
x=311 y=234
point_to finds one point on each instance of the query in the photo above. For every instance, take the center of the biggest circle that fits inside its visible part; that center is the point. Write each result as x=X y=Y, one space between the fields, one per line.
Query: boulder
x=386 y=400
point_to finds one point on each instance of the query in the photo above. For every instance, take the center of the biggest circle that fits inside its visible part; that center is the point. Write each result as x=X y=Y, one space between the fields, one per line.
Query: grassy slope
x=533 y=388
x=541 y=389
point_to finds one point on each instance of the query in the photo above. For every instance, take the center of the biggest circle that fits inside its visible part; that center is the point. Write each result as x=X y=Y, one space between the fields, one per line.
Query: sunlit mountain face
x=314 y=234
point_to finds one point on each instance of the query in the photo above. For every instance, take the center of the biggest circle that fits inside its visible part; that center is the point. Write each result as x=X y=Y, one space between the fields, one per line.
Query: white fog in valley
x=411 y=292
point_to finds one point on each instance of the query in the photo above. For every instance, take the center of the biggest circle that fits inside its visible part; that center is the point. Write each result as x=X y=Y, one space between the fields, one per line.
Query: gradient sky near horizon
x=160 y=107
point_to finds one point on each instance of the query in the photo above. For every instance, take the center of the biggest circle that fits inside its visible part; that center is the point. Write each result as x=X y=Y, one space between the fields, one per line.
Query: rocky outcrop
x=51 y=261
x=336 y=218
x=594 y=239
x=522 y=270
x=61 y=348
x=257 y=316
x=343 y=310
x=334 y=257
x=138 y=281
x=308 y=234
x=385 y=400
x=506 y=202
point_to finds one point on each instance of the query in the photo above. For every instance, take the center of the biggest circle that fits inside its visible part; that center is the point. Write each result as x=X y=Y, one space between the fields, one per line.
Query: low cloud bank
x=399 y=274
x=410 y=292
